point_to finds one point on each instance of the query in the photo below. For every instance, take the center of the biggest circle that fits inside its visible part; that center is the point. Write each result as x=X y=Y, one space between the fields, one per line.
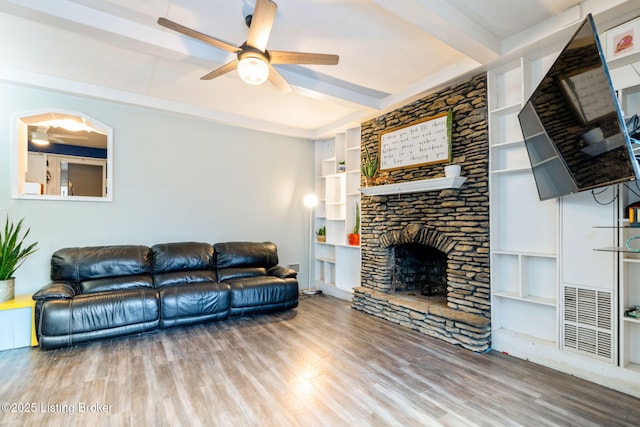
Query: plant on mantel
x=369 y=167
x=450 y=170
x=13 y=252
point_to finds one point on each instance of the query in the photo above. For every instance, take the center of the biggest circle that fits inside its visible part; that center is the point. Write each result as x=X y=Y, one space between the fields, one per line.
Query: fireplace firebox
x=420 y=269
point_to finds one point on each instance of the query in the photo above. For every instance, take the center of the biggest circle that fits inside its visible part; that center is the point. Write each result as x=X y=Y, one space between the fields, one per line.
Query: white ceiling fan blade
x=82 y=137
x=278 y=81
x=280 y=57
x=263 y=16
x=198 y=35
x=229 y=66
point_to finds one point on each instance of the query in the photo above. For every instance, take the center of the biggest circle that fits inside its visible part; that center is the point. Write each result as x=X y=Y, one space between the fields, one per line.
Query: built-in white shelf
x=424 y=185
x=336 y=265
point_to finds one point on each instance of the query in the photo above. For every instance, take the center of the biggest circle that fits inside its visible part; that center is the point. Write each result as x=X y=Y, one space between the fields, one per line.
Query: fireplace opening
x=419 y=269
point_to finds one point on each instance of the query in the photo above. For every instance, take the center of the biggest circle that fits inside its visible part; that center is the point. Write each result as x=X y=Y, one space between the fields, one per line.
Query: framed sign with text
x=419 y=143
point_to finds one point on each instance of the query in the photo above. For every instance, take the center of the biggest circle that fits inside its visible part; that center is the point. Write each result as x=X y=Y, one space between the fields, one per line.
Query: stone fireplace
x=425 y=254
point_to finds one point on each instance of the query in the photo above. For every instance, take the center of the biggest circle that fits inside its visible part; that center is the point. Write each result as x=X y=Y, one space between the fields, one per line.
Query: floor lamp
x=310 y=201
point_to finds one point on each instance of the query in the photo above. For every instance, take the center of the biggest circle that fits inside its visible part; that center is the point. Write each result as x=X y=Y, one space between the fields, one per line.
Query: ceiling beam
x=62 y=85
x=441 y=20
x=164 y=43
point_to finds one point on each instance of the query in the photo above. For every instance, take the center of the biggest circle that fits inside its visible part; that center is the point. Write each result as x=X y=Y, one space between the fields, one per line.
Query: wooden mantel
x=431 y=184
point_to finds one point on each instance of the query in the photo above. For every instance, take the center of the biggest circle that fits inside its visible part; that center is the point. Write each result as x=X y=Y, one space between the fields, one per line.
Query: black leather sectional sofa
x=109 y=291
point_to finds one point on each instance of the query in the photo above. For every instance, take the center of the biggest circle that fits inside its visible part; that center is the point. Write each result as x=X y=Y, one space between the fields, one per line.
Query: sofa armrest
x=282 y=272
x=57 y=290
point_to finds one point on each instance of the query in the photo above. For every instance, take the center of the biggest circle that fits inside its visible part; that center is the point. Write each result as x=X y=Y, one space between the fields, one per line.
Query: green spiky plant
x=356 y=227
x=369 y=164
x=322 y=231
x=12 y=251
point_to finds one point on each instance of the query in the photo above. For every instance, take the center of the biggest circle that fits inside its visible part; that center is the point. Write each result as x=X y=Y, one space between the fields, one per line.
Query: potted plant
x=451 y=170
x=321 y=234
x=12 y=255
x=369 y=167
x=354 y=238
x=342 y=166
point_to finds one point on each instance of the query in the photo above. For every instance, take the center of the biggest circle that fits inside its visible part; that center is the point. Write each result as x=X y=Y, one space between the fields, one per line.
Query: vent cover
x=587 y=325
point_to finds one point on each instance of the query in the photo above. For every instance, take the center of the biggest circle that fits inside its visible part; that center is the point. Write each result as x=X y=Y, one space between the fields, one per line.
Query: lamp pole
x=310 y=201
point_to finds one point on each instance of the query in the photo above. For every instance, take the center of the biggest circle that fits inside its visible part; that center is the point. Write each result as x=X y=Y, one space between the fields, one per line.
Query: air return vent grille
x=588 y=326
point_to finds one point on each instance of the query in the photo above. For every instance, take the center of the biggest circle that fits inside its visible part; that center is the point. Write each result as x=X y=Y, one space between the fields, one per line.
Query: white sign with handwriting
x=419 y=143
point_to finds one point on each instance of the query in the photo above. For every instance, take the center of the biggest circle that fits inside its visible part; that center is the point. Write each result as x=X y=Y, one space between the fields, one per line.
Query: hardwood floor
x=322 y=364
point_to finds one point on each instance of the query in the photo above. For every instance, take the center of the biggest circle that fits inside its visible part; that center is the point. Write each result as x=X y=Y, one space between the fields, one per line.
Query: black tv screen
x=572 y=125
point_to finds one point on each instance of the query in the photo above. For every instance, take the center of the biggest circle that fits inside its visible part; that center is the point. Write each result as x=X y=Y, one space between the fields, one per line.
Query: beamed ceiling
x=391 y=51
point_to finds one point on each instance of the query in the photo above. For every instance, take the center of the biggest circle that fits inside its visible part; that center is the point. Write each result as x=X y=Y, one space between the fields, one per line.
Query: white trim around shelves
x=506 y=109
x=508 y=144
x=525 y=253
x=509 y=171
x=550 y=302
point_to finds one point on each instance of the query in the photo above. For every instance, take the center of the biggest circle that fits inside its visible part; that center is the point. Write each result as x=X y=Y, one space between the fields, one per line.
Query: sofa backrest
x=104 y=268
x=184 y=262
x=244 y=259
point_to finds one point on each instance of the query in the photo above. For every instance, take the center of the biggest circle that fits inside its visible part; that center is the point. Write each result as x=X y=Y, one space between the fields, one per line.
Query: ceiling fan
x=254 y=62
x=43 y=135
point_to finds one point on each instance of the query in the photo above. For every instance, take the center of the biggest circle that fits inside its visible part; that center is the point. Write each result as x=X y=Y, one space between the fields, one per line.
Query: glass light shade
x=253 y=71
x=40 y=138
x=310 y=200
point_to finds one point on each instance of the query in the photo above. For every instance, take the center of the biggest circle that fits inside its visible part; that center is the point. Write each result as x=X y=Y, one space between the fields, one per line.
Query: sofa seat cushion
x=122 y=283
x=174 y=278
x=94 y=312
x=235 y=273
x=194 y=303
x=262 y=294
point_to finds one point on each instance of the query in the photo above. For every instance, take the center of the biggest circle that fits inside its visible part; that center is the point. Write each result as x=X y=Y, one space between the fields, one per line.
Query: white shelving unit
x=629 y=287
x=629 y=93
x=556 y=300
x=629 y=296
x=337 y=264
x=524 y=264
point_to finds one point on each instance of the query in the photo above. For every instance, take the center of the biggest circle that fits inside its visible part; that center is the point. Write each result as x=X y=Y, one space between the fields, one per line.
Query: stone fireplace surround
x=454 y=222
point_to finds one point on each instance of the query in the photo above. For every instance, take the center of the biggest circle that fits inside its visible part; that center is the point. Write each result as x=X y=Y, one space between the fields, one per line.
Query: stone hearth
x=453 y=223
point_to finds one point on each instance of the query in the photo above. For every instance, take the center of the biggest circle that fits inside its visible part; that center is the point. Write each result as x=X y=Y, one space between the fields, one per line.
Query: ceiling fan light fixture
x=253 y=71
x=40 y=138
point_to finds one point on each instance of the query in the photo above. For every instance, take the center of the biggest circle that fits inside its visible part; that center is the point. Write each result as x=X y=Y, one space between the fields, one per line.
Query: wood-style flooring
x=322 y=364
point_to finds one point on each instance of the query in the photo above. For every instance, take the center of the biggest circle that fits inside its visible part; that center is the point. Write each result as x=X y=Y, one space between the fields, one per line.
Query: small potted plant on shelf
x=12 y=255
x=369 y=167
x=451 y=170
x=342 y=166
x=354 y=238
x=321 y=234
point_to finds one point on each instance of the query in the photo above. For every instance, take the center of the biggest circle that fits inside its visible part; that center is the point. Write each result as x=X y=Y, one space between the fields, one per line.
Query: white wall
x=176 y=178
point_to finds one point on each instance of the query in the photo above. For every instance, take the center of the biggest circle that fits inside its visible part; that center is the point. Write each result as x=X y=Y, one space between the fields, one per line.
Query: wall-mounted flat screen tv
x=572 y=125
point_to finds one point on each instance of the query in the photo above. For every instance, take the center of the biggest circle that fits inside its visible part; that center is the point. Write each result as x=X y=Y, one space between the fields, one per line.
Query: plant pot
x=7 y=289
x=321 y=239
x=369 y=182
x=354 y=239
x=452 y=171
